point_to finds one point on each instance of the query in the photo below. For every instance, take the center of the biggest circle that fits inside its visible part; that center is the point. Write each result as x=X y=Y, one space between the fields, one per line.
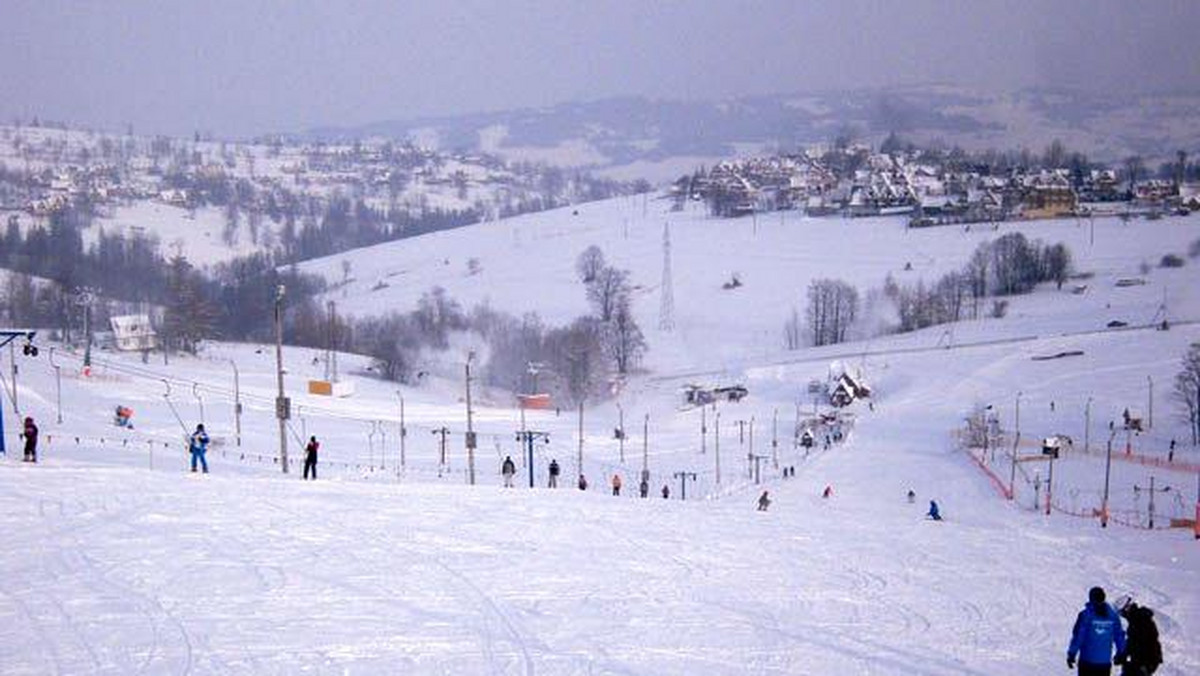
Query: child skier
x=198 y=445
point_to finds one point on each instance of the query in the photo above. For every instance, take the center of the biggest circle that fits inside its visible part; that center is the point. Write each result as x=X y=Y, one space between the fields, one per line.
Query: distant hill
x=643 y=138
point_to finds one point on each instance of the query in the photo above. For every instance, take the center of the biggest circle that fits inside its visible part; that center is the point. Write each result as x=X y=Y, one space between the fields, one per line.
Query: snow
x=120 y=561
x=197 y=232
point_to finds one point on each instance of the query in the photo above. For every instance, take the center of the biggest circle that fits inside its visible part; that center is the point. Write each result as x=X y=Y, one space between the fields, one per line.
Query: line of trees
x=832 y=309
x=1008 y=266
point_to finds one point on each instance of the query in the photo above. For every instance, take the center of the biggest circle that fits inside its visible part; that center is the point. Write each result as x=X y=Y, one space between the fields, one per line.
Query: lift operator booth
x=6 y=337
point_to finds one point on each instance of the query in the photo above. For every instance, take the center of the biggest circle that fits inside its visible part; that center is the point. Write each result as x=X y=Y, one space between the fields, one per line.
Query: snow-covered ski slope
x=120 y=561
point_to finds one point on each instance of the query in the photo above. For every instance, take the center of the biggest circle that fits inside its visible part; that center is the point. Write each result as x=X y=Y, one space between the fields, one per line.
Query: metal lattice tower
x=666 y=311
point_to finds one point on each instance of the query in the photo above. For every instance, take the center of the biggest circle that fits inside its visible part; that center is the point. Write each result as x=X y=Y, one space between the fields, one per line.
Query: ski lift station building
x=133 y=333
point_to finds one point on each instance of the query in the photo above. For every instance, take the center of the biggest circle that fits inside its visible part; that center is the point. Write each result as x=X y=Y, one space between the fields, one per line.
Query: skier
x=310 y=457
x=122 y=418
x=554 y=470
x=934 y=513
x=912 y=497
x=1097 y=629
x=1143 y=651
x=198 y=445
x=644 y=488
x=764 y=501
x=509 y=470
x=666 y=492
x=31 y=438
x=616 y=484
x=827 y=492
x=582 y=482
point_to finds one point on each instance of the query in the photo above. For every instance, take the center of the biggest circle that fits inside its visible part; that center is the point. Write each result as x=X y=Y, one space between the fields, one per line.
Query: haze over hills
x=635 y=137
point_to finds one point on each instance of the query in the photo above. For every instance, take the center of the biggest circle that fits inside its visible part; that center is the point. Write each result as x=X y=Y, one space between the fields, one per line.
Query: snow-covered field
x=119 y=561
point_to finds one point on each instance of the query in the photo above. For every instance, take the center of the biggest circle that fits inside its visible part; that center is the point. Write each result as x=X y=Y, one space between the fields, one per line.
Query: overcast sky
x=246 y=67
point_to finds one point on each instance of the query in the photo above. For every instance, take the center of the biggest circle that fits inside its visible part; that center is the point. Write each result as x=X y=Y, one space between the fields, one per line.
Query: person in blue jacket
x=934 y=513
x=198 y=445
x=1097 y=629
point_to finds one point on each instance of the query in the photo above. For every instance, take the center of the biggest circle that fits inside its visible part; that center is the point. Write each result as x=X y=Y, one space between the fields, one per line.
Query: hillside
x=213 y=200
x=121 y=561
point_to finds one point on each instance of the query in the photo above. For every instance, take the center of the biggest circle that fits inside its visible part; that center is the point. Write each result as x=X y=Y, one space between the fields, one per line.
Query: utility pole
x=1107 y=475
x=621 y=431
x=470 y=427
x=646 y=446
x=683 y=477
x=87 y=332
x=1012 y=474
x=57 y=386
x=742 y=442
x=282 y=404
x=717 y=445
x=403 y=430
x=199 y=400
x=775 y=439
x=757 y=460
x=796 y=427
x=1050 y=482
x=1150 y=402
x=12 y=358
x=526 y=437
x=1153 y=490
x=442 y=431
x=1017 y=419
x=237 y=403
x=1087 y=425
x=580 y=452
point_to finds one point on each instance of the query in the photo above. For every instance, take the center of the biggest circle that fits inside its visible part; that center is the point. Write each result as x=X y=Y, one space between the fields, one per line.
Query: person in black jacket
x=1142 y=649
x=554 y=472
x=509 y=470
x=310 y=457
x=31 y=438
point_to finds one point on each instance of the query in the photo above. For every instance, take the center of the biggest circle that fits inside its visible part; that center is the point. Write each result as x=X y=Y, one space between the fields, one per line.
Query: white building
x=133 y=333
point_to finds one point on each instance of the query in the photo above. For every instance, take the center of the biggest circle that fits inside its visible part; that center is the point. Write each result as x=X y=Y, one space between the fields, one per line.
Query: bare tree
x=576 y=355
x=607 y=291
x=832 y=309
x=623 y=339
x=589 y=264
x=1187 y=390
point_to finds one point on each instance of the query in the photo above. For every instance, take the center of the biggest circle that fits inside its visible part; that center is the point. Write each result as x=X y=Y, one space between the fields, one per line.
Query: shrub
x=1171 y=261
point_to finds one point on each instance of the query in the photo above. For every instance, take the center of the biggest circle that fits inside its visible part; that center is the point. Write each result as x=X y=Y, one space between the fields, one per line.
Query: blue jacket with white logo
x=1095 y=633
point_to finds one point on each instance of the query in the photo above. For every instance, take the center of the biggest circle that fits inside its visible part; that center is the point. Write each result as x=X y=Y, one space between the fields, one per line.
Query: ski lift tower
x=30 y=350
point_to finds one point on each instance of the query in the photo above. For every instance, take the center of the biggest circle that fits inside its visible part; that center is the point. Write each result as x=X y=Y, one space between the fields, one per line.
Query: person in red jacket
x=616 y=484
